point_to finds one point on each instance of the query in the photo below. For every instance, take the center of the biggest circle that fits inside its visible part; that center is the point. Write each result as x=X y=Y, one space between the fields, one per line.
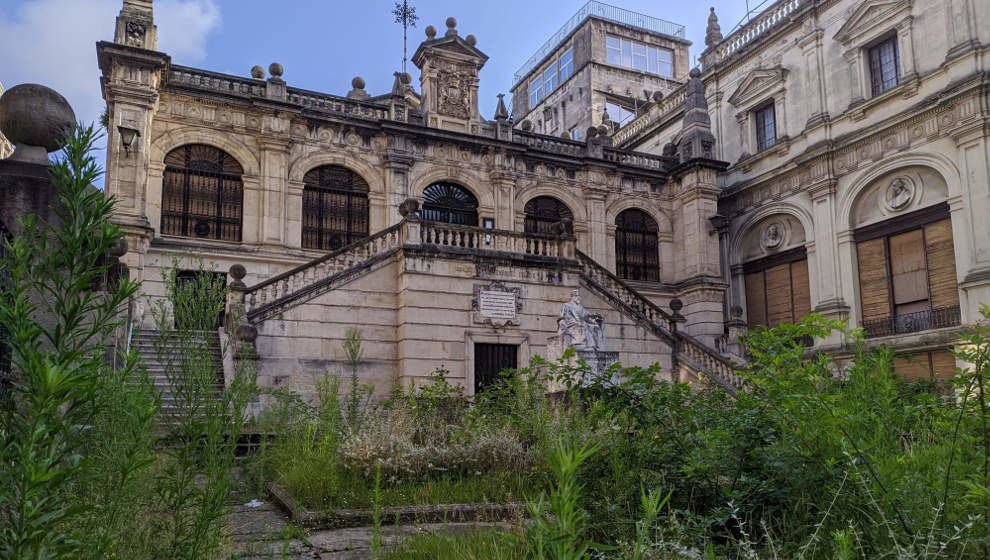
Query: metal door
x=490 y=359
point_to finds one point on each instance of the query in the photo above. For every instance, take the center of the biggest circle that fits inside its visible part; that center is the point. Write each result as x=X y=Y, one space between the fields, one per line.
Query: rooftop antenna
x=406 y=15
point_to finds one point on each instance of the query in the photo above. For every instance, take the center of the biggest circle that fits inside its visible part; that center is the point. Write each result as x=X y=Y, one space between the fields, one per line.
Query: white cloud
x=53 y=42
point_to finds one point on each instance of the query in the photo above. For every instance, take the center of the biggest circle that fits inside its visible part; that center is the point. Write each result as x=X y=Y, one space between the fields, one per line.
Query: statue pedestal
x=598 y=361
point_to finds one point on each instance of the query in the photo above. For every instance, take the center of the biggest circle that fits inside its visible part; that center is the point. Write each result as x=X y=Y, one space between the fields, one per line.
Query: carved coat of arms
x=454 y=93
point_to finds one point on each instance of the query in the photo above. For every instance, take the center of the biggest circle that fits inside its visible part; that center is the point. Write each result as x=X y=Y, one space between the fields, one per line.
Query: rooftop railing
x=601 y=11
x=755 y=28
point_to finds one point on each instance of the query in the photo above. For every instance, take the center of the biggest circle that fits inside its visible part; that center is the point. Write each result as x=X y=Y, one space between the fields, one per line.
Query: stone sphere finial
x=527 y=125
x=431 y=32
x=246 y=333
x=591 y=132
x=471 y=40
x=237 y=271
x=257 y=72
x=451 y=23
x=409 y=207
x=37 y=119
x=119 y=248
x=275 y=69
x=676 y=305
x=357 y=82
x=657 y=96
x=405 y=78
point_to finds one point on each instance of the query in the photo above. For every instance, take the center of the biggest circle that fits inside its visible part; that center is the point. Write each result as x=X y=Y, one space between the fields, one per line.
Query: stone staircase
x=143 y=342
x=307 y=281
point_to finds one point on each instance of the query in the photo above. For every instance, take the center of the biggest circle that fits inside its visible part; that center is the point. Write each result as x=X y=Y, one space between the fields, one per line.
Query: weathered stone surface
x=32 y=115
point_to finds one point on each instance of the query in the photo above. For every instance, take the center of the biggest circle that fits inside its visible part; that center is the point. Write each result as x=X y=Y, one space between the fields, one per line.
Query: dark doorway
x=489 y=360
x=449 y=203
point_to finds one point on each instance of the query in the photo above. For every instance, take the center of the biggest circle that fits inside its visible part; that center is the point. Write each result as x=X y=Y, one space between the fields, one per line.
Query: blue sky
x=322 y=44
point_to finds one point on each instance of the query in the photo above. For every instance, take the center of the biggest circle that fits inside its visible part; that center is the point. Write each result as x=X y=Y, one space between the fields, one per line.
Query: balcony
x=913 y=322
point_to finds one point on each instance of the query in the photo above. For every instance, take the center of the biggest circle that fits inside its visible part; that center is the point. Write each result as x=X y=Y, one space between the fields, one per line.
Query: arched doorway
x=335 y=208
x=202 y=193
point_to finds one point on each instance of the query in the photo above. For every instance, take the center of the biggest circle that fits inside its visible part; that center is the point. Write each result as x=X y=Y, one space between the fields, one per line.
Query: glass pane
x=550 y=78
x=613 y=56
x=626 y=53
x=652 y=68
x=639 y=62
x=611 y=42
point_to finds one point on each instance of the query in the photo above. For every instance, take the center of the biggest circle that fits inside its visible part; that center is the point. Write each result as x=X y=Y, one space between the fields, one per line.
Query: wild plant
x=194 y=484
x=558 y=527
x=58 y=326
x=354 y=352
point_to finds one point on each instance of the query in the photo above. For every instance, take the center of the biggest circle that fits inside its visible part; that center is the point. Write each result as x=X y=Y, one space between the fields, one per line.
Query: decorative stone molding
x=496 y=304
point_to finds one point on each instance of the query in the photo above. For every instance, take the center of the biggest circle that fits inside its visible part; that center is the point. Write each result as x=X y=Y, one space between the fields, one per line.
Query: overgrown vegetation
x=88 y=468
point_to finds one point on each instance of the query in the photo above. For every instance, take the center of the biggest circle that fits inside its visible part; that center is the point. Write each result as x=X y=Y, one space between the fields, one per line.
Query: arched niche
x=897 y=192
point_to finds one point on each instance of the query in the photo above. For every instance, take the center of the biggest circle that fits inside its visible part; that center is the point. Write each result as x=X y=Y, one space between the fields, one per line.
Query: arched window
x=450 y=203
x=543 y=213
x=335 y=208
x=202 y=193
x=636 y=246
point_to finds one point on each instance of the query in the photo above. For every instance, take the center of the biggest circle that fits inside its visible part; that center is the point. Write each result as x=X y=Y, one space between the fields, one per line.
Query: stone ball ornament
x=431 y=32
x=357 y=82
x=451 y=23
x=276 y=70
x=238 y=272
x=246 y=333
x=257 y=72
x=471 y=40
x=37 y=120
x=405 y=78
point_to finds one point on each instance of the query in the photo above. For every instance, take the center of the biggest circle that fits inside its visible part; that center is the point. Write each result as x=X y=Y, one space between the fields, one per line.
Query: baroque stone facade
x=397 y=212
x=844 y=122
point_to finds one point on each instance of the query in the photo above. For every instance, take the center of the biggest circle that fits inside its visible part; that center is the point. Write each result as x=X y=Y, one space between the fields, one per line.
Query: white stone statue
x=578 y=328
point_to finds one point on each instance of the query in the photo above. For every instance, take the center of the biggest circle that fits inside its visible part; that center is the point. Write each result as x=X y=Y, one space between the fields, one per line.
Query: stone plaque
x=494 y=304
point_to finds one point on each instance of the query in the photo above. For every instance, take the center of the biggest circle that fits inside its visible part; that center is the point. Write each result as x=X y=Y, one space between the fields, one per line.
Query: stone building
x=603 y=61
x=450 y=240
x=856 y=133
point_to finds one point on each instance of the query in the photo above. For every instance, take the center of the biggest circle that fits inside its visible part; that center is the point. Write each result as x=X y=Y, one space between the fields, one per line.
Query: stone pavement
x=259 y=530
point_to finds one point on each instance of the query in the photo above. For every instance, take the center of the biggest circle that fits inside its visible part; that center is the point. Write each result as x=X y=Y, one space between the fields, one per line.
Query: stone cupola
x=449 y=68
x=136 y=25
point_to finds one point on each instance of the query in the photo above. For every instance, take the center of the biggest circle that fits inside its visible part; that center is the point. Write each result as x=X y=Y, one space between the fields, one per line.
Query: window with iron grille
x=885 y=68
x=766 y=127
x=543 y=213
x=449 y=203
x=202 y=194
x=335 y=208
x=637 y=243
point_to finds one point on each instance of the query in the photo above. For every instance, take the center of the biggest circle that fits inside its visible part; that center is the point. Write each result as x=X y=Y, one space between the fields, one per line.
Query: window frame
x=536 y=90
x=764 y=142
x=224 y=181
x=761 y=265
x=624 y=54
x=323 y=190
x=876 y=67
x=623 y=263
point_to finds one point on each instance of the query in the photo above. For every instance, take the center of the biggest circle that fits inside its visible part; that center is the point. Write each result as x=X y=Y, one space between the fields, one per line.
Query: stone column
x=274 y=184
x=598 y=236
x=503 y=185
x=397 y=166
x=824 y=272
x=969 y=210
x=814 y=72
x=961 y=27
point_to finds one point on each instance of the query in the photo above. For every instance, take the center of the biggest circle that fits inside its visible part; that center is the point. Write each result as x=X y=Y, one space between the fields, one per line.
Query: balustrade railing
x=334 y=104
x=709 y=363
x=212 y=81
x=755 y=28
x=466 y=237
x=670 y=104
x=275 y=294
x=549 y=143
x=634 y=159
x=914 y=322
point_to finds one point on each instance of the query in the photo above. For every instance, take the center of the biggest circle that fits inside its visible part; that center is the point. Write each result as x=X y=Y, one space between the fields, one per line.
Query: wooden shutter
x=756 y=306
x=943 y=364
x=914 y=366
x=801 y=293
x=941 y=265
x=779 y=308
x=909 y=275
x=873 y=289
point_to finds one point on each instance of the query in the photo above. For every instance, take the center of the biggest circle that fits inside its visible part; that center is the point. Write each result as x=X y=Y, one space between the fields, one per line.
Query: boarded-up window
x=777 y=289
x=907 y=274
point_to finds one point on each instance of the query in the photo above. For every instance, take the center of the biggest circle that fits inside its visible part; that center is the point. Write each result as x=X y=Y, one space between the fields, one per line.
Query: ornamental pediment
x=758 y=84
x=449 y=47
x=868 y=15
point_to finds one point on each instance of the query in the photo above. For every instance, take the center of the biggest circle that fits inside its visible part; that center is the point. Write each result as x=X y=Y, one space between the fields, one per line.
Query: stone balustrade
x=625 y=295
x=753 y=29
x=672 y=103
x=435 y=234
x=551 y=144
x=634 y=159
x=212 y=81
x=709 y=364
x=276 y=294
x=334 y=104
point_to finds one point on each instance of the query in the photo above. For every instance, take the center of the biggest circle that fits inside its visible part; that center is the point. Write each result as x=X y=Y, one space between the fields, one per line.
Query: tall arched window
x=543 y=213
x=202 y=193
x=450 y=203
x=636 y=246
x=335 y=208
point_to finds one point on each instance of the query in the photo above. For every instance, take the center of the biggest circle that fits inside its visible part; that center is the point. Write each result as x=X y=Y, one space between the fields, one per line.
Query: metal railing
x=913 y=322
x=601 y=11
